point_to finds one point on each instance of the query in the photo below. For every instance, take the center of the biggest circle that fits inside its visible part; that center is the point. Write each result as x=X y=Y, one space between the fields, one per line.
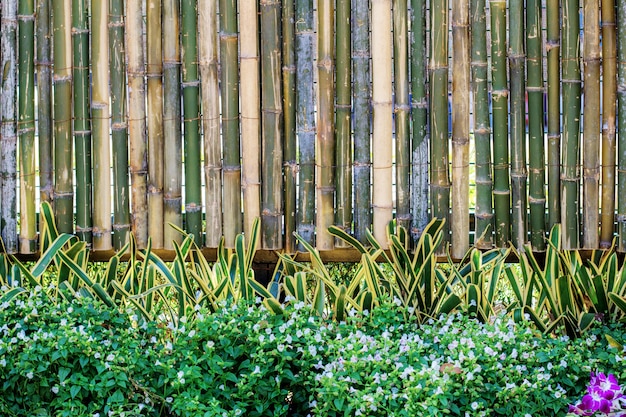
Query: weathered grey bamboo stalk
x=621 y=126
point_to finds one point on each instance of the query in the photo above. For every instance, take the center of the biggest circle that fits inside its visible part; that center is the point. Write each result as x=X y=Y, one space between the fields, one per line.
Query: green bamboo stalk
x=419 y=113
x=230 y=120
x=382 y=128
x=343 y=123
x=482 y=131
x=621 y=126
x=534 y=87
x=119 y=125
x=609 y=97
x=154 y=74
x=361 y=118
x=100 y=111
x=325 y=181
x=305 y=119
x=8 y=129
x=289 y=123
x=26 y=130
x=402 y=109
x=137 y=122
x=570 y=175
x=553 y=48
x=172 y=166
x=460 y=127
x=191 y=110
x=250 y=114
x=519 y=175
x=43 y=67
x=501 y=188
x=82 y=119
x=591 y=128
x=271 y=126
x=62 y=99
x=209 y=82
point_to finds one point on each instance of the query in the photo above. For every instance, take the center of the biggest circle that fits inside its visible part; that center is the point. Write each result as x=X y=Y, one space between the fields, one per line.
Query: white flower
x=257 y=370
x=110 y=357
x=55 y=389
x=474 y=405
x=169 y=400
x=29 y=375
x=192 y=333
x=97 y=355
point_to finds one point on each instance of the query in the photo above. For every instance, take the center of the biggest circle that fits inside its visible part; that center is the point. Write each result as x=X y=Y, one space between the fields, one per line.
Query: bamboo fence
x=155 y=116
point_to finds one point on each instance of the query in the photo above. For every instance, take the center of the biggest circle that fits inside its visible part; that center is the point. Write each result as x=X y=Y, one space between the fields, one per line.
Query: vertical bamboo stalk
x=250 y=113
x=482 y=131
x=207 y=54
x=402 y=108
x=519 y=174
x=100 y=111
x=499 y=92
x=137 y=122
x=343 y=127
x=591 y=128
x=191 y=109
x=570 y=175
x=460 y=128
x=62 y=99
x=43 y=66
x=324 y=161
x=119 y=125
x=172 y=166
x=305 y=119
x=8 y=129
x=26 y=127
x=289 y=123
x=553 y=48
x=155 y=121
x=271 y=126
x=609 y=96
x=382 y=132
x=535 y=90
x=362 y=118
x=82 y=116
x=230 y=120
x=621 y=125
x=419 y=113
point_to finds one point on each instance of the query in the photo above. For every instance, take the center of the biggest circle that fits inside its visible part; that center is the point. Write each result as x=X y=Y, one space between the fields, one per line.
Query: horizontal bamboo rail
x=325 y=120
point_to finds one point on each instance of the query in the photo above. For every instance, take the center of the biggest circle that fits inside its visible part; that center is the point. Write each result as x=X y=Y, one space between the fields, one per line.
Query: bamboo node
x=26 y=17
x=79 y=31
x=401 y=108
x=534 y=200
x=484 y=216
x=193 y=207
x=190 y=84
x=502 y=192
x=80 y=229
x=115 y=24
x=120 y=227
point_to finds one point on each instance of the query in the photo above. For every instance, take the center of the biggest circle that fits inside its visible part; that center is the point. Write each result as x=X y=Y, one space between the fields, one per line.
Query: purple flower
x=605 y=386
x=595 y=401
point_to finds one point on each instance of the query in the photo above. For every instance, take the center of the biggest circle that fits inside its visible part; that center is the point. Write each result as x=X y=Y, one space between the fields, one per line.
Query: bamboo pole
x=553 y=48
x=519 y=175
x=209 y=83
x=362 y=118
x=535 y=90
x=501 y=188
x=154 y=75
x=324 y=161
x=82 y=119
x=289 y=123
x=8 y=129
x=401 y=111
x=191 y=110
x=119 y=125
x=621 y=126
x=382 y=132
x=137 y=122
x=250 y=114
x=62 y=99
x=101 y=116
x=482 y=131
x=460 y=127
x=591 y=128
x=609 y=96
x=305 y=119
x=172 y=169
x=230 y=120
x=343 y=123
x=271 y=126
x=26 y=126
x=570 y=175
x=419 y=115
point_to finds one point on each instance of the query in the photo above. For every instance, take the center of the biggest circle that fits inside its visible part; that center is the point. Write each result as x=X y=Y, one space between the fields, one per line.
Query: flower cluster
x=604 y=396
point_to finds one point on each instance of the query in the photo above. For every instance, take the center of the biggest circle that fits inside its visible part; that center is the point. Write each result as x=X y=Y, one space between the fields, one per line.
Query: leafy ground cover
x=79 y=357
